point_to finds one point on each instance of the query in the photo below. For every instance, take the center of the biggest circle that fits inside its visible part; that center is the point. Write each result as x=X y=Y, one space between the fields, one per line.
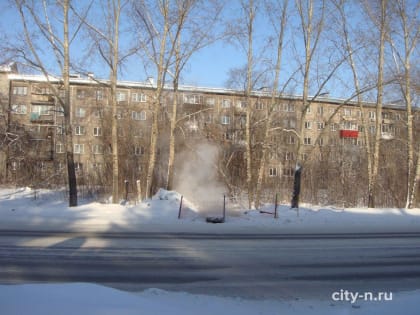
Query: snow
x=26 y=208
x=29 y=209
x=81 y=298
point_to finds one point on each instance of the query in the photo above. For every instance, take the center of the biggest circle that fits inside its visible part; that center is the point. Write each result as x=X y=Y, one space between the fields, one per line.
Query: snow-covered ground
x=75 y=299
x=25 y=208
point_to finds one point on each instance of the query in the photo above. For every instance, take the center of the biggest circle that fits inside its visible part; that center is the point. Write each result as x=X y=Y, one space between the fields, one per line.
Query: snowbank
x=74 y=299
x=26 y=208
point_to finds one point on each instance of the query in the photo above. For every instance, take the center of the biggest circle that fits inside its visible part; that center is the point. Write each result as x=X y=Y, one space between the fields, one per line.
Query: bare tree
x=403 y=42
x=381 y=23
x=191 y=32
x=312 y=27
x=106 y=39
x=153 y=27
x=280 y=30
x=37 y=19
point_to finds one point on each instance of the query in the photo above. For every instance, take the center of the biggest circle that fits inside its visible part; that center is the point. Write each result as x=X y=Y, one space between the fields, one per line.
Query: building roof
x=150 y=84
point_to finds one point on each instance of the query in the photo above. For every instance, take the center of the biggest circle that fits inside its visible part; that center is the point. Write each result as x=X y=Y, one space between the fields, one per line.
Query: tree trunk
x=171 y=159
x=267 y=126
x=248 y=152
x=71 y=172
x=114 y=128
x=152 y=155
x=378 y=124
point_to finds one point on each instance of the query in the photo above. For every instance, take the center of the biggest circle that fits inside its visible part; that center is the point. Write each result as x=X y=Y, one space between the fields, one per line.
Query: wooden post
x=126 y=189
x=180 y=207
x=138 y=190
x=275 y=207
x=224 y=208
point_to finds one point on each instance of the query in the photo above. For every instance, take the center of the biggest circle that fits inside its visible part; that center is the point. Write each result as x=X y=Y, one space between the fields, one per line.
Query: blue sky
x=210 y=66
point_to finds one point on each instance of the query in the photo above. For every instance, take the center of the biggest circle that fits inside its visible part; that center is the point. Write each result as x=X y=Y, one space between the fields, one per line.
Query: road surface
x=249 y=266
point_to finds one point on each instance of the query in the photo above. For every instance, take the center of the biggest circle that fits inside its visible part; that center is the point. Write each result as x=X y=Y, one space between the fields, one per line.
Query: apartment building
x=332 y=135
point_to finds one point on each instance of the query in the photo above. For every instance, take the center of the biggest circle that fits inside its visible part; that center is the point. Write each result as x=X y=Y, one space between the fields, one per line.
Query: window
x=372 y=129
x=289 y=156
x=259 y=106
x=80 y=112
x=333 y=127
x=307 y=140
x=120 y=114
x=80 y=130
x=290 y=140
x=78 y=166
x=227 y=136
x=321 y=125
x=43 y=90
x=333 y=141
x=308 y=125
x=80 y=93
x=138 y=115
x=348 y=125
x=98 y=113
x=19 y=109
x=20 y=90
x=320 y=110
x=79 y=148
x=97 y=131
x=138 y=133
x=59 y=110
x=139 y=97
x=192 y=99
x=290 y=123
x=347 y=112
x=210 y=101
x=99 y=94
x=60 y=130
x=272 y=171
x=289 y=107
x=288 y=171
x=138 y=150
x=241 y=104
x=59 y=148
x=97 y=149
x=387 y=129
x=97 y=166
x=41 y=109
x=226 y=103
x=225 y=120
x=321 y=142
x=372 y=115
x=121 y=96
x=308 y=109
x=304 y=156
x=209 y=118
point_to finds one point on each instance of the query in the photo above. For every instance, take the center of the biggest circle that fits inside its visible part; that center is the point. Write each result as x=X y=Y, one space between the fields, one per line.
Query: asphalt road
x=251 y=266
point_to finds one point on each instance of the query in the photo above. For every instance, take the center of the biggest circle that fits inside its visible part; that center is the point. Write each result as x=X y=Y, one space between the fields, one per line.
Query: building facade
x=333 y=137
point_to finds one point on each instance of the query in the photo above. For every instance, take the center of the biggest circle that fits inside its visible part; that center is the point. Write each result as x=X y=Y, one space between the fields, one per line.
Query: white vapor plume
x=196 y=178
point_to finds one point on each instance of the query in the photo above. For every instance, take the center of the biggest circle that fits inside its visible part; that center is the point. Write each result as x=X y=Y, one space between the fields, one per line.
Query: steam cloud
x=196 y=179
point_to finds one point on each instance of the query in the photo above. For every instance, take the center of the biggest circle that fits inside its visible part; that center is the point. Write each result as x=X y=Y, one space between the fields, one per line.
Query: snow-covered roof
x=150 y=84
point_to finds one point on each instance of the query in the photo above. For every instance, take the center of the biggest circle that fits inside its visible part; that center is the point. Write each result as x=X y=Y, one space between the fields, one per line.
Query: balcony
x=42 y=99
x=41 y=119
x=349 y=134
